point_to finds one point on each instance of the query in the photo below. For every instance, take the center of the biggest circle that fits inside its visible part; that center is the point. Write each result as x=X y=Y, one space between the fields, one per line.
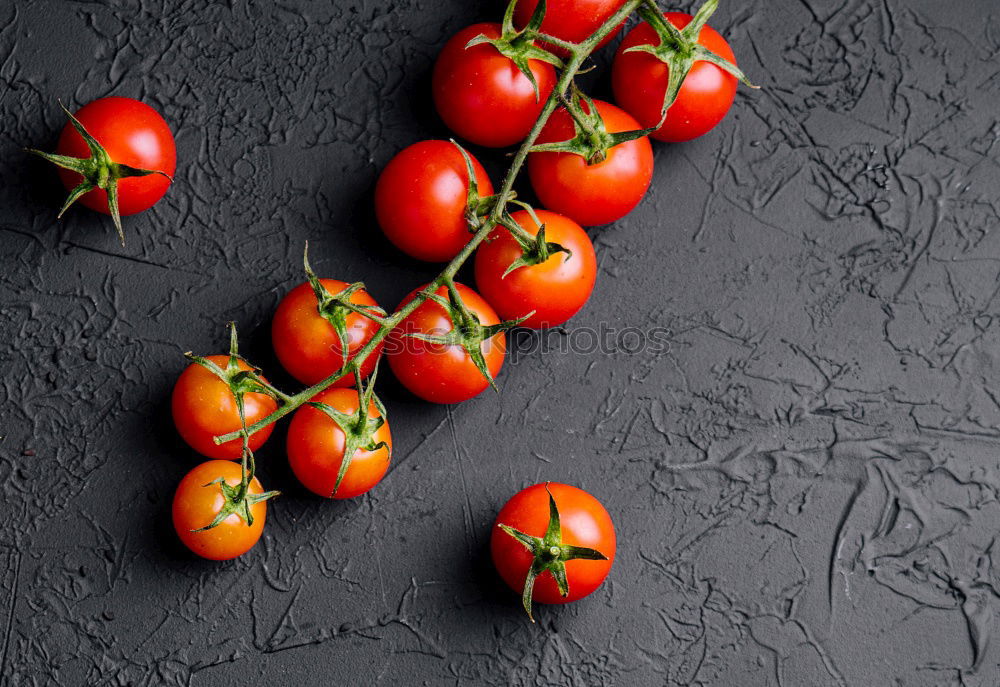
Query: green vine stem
x=578 y=53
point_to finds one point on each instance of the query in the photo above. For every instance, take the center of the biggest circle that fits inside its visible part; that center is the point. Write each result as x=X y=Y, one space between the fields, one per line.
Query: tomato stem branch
x=578 y=53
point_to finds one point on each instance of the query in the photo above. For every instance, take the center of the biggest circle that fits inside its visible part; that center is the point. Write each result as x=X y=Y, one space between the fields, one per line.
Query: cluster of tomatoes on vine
x=589 y=163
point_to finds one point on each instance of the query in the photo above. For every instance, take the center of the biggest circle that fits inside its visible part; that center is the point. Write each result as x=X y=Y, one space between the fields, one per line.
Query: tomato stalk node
x=549 y=554
x=98 y=171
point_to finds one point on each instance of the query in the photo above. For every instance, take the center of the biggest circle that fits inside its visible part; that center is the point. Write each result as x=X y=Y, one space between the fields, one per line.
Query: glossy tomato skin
x=316 y=448
x=420 y=200
x=570 y=20
x=133 y=134
x=307 y=345
x=482 y=96
x=203 y=407
x=197 y=502
x=585 y=522
x=639 y=81
x=592 y=194
x=555 y=289
x=436 y=372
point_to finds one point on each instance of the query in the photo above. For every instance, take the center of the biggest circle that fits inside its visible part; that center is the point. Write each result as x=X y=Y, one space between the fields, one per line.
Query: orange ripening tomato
x=203 y=407
x=197 y=502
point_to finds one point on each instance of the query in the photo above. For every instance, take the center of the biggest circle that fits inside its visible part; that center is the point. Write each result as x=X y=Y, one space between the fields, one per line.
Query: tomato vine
x=497 y=215
x=595 y=134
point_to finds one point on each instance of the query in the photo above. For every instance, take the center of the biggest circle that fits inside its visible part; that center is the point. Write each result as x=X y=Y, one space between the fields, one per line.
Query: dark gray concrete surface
x=804 y=477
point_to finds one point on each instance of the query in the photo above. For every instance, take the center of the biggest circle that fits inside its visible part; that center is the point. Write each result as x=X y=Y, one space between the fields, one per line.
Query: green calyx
x=466 y=331
x=477 y=207
x=592 y=140
x=239 y=381
x=679 y=48
x=550 y=554
x=519 y=46
x=359 y=429
x=98 y=171
x=534 y=249
x=335 y=307
x=238 y=499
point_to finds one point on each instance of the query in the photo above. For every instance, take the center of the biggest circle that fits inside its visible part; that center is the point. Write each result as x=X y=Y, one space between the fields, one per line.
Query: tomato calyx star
x=535 y=250
x=549 y=554
x=335 y=307
x=99 y=171
x=519 y=46
x=237 y=499
x=467 y=331
x=239 y=381
x=359 y=429
x=679 y=48
x=592 y=140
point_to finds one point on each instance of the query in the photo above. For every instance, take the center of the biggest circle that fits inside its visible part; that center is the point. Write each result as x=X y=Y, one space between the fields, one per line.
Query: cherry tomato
x=481 y=94
x=584 y=522
x=570 y=20
x=133 y=134
x=196 y=504
x=316 y=448
x=639 y=81
x=555 y=289
x=204 y=407
x=306 y=343
x=592 y=194
x=420 y=200
x=437 y=372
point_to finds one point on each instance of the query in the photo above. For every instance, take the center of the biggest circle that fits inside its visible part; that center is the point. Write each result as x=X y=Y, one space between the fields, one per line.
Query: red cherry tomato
x=437 y=372
x=316 y=448
x=592 y=194
x=196 y=504
x=307 y=344
x=133 y=134
x=481 y=94
x=555 y=289
x=570 y=20
x=204 y=407
x=639 y=81
x=420 y=200
x=584 y=523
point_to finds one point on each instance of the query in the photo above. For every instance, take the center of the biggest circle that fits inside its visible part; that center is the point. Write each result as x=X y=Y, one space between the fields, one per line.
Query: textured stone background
x=805 y=481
